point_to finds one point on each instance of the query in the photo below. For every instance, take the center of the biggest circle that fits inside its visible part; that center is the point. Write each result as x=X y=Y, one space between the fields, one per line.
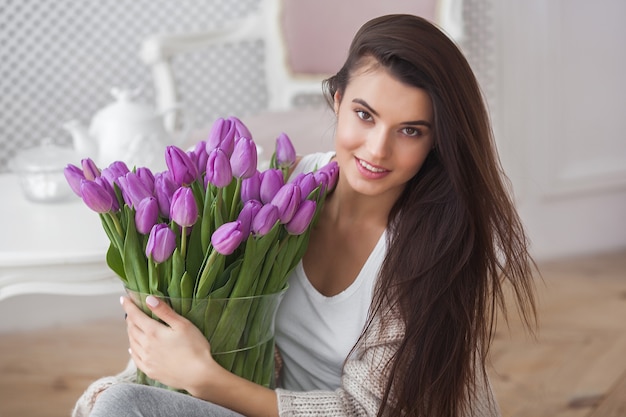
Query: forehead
x=374 y=84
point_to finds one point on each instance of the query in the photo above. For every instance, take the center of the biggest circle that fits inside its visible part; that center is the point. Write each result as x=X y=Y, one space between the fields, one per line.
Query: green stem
x=183 y=241
x=118 y=226
x=236 y=198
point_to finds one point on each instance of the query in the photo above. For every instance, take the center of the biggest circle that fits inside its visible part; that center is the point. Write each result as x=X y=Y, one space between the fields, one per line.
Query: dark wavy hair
x=455 y=237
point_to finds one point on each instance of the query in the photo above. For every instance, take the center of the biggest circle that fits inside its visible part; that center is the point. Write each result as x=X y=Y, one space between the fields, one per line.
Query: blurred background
x=552 y=73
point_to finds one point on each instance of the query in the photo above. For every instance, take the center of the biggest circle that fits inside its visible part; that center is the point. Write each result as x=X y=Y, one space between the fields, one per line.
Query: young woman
x=392 y=310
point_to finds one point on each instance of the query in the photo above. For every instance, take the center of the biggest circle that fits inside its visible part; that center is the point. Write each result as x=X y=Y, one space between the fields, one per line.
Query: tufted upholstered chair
x=305 y=42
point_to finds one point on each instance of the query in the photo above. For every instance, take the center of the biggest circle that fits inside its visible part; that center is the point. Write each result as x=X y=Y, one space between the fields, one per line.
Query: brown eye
x=412 y=131
x=363 y=115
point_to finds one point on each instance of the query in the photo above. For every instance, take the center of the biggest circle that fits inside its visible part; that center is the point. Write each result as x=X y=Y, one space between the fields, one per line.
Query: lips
x=369 y=170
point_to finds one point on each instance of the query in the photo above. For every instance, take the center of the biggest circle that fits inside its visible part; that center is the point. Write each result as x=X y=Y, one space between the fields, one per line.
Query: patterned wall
x=59 y=59
x=479 y=45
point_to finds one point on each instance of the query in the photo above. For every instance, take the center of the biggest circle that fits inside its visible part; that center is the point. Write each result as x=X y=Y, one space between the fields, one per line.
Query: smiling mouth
x=371 y=168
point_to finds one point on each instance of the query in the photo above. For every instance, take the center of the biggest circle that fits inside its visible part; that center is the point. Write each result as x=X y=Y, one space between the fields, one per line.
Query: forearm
x=238 y=394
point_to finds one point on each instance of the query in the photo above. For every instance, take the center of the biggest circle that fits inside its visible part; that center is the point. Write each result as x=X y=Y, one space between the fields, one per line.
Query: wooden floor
x=576 y=367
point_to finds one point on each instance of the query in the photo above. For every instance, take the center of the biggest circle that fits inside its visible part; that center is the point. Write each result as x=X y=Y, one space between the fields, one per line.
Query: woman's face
x=384 y=132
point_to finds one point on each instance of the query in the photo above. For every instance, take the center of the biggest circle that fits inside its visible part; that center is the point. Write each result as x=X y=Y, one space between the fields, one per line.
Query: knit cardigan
x=360 y=394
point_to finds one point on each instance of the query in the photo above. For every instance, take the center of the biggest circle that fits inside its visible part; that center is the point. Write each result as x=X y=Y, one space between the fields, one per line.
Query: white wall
x=561 y=120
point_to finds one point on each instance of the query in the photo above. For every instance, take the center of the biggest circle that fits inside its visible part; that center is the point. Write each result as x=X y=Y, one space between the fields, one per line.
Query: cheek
x=347 y=136
x=413 y=159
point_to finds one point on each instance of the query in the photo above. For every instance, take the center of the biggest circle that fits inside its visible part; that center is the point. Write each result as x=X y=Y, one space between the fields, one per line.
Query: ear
x=336 y=101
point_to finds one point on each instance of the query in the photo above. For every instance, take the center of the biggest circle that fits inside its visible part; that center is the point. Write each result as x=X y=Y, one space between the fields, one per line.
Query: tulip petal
x=287 y=200
x=161 y=243
x=271 y=181
x=227 y=237
x=184 y=210
x=146 y=215
x=244 y=158
x=218 y=169
x=90 y=169
x=183 y=169
x=285 y=152
x=96 y=196
x=74 y=175
x=265 y=219
x=302 y=219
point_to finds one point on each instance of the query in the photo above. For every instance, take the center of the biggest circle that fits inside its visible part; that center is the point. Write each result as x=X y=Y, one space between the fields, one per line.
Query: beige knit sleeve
x=362 y=383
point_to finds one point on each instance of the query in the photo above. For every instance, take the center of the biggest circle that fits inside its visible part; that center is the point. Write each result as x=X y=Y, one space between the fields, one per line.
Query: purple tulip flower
x=332 y=170
x=227 y=237
x=222 y=136
x=184 y=210
x=244 y=158
x=74 y=176
x=114 y=171
x=218 y=169
x=264 y=220
x=271 y=181
x=302 y=219
x=287 y=200
x=133 y=189
x=161 y=243
x=307 y=184
x=248 y=213
x=164 y=189
x=199 y=155
x=146 y=215
x=95 y=196
x=115 y=206
x=146 y=176
x=90 y=169
x=285 y=152
x=183 y=169
x=241 y=130
x=251 y=187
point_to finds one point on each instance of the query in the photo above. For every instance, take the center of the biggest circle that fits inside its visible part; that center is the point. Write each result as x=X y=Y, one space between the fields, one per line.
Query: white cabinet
x=56 y=248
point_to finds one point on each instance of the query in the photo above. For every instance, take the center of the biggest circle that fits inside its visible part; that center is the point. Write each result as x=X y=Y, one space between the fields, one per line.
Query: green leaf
x=253 y=258
x=114 y=261
x=135 y=262
x=226 y=280
x=195 y=254
x=207 y=221
x=212 y=268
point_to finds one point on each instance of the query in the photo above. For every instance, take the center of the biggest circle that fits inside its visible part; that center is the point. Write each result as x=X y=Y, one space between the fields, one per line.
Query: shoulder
x=312 y=162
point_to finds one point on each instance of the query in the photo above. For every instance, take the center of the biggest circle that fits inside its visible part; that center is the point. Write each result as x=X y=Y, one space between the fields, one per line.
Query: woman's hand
x=178 y=355
x=175 y=353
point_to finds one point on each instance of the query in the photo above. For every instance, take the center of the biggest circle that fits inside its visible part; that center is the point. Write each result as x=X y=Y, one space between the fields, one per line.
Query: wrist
x=228 y=390
x=206 y=379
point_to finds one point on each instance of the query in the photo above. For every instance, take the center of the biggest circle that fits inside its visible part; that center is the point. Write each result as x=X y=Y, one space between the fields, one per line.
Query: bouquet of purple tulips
x=210 y=227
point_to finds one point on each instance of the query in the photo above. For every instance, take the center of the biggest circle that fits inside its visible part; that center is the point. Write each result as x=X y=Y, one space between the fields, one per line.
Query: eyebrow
x=375 y=113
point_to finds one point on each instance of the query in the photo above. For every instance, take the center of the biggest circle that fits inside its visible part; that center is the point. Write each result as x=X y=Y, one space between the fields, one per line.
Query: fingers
x=163 y=311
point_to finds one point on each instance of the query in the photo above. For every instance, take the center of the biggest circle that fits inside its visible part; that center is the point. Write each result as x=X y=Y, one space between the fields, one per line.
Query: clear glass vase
x=240 y=331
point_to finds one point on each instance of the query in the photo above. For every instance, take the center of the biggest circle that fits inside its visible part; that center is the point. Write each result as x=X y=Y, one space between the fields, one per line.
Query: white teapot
x=125 y=130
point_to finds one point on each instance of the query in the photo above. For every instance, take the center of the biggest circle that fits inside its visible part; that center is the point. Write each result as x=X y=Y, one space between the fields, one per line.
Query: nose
x=379 y=142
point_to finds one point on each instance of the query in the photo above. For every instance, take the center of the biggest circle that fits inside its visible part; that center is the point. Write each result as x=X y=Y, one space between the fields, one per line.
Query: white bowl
x=40 y=172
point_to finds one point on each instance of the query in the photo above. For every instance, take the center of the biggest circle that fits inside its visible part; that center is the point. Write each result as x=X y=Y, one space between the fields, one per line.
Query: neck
x=344 y=206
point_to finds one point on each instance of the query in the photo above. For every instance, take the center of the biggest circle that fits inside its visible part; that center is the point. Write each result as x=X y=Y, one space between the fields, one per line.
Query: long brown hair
x=455 y=236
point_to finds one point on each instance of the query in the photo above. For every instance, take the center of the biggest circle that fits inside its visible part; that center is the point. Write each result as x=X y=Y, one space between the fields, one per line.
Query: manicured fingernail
x=130 y=352
x=121 y=299
x=152 y=301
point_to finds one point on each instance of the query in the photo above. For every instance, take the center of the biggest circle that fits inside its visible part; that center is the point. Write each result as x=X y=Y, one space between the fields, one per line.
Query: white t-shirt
x=315 y=333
